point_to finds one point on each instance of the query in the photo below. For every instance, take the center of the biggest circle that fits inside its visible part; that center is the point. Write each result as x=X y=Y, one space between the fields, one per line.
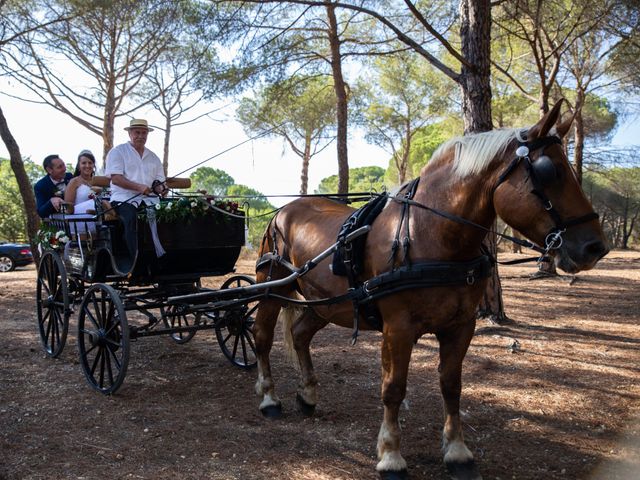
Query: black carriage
x=81 y=273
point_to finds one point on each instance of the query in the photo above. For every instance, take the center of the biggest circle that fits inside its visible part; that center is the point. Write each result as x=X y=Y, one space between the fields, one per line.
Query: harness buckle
x=522 y=151
x=548 y=206
x=471 y=279
x=553 y=241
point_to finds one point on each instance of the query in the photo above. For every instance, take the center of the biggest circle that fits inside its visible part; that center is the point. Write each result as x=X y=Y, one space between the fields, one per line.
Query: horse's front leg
x=263 y=329
x=453 y=348
x=396 y=353
x=302 y=332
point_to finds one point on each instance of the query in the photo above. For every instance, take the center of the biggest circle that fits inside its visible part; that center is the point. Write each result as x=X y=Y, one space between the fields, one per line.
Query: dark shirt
x=44 y=190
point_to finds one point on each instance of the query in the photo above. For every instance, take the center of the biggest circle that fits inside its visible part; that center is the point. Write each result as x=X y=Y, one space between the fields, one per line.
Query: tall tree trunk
x=578 y=131
x=515 y=248
x=341 y=99
x=165 y=149
x=475 y=17
x=304 y=175
x=26 y=190
x=107 y=130
x=406 y=149
x=491 y=306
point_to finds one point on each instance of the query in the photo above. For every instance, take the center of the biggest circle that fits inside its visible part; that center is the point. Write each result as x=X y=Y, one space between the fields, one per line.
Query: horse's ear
x=546 y=123
x=563 y=127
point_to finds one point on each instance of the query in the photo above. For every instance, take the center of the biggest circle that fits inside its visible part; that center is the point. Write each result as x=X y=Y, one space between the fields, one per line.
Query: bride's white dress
x=83 y=201
x=82 y=204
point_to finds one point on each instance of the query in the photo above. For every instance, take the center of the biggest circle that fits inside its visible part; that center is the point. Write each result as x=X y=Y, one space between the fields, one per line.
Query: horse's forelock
x=473 y=153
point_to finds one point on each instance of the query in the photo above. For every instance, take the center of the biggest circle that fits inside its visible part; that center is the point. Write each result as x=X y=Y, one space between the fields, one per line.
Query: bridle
x=542 y=173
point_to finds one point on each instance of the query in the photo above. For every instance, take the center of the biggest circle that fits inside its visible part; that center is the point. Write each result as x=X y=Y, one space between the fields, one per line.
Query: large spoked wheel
x=175 y=317
x=52 y=303
x=234 y=327
x=103 y=338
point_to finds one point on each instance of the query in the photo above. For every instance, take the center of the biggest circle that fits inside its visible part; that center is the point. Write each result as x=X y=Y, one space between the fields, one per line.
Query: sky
x=266 y=165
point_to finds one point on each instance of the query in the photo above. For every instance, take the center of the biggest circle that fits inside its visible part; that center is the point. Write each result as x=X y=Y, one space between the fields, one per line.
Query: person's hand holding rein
x=160 y=188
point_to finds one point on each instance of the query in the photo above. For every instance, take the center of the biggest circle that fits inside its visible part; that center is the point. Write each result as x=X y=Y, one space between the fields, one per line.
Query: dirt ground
x=554 y=395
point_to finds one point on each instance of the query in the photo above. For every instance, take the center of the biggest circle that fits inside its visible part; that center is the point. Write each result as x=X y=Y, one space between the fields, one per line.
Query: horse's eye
x=544 y=171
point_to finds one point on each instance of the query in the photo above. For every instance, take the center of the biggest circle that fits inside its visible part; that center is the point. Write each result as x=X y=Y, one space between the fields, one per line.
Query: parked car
x=14 y=255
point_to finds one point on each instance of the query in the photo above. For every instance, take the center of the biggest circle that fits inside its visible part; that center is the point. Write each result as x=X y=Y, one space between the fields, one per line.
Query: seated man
x=133 y=169
x=49 y=190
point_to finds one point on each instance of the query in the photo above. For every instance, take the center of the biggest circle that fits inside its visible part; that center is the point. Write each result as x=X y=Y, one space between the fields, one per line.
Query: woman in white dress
x=79 y=194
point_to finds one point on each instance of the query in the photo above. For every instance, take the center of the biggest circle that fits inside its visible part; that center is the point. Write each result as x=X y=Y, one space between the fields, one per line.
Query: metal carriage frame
x=115 y=307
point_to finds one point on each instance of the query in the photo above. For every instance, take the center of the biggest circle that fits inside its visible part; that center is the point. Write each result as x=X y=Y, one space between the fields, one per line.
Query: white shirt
x=126 y=161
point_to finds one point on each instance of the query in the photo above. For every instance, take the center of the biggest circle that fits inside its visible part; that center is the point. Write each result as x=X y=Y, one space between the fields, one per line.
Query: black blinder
x=544 y=171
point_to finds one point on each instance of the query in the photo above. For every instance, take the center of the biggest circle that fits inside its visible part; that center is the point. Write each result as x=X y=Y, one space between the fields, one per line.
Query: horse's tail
x=288 y=315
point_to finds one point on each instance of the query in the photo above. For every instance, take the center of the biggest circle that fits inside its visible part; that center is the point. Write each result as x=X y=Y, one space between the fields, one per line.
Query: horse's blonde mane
x=474 y=152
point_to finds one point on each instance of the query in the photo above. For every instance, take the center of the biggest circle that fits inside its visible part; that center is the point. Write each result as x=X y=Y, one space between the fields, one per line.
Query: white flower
x=194 y=204
x=63 y=239
x=158 y=206
x=60 y=234
x=168 y=206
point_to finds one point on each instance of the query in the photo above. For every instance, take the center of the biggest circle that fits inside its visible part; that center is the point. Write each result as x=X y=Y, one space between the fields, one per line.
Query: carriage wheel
x=103 y=338
x=176 y=316
x=234 y=327
x=52 y=303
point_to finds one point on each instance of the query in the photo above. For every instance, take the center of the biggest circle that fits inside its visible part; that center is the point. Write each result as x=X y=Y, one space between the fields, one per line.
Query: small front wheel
x=103 y=338
x=177 y=317
x=52 y=303
x=234 y=327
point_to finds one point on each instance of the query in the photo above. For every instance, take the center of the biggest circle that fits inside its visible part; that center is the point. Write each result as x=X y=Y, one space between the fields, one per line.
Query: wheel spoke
x=96 y=359
x=92 y=318
x=52 y=307
x=116 y=360
x=102 y=365
x=104 y=346
x=235 y=346
x=246 y=334
x=244 y=348
x=225 y=339
x=108 y=358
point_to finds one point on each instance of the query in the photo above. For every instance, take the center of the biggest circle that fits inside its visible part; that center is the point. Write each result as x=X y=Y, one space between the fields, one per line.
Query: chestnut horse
x=522 y=176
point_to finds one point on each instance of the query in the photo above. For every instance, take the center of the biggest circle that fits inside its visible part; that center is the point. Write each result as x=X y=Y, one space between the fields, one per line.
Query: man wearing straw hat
x=134 y=170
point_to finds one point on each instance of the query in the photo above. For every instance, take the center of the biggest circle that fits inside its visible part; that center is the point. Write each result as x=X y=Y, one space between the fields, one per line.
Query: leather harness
x=422 y=274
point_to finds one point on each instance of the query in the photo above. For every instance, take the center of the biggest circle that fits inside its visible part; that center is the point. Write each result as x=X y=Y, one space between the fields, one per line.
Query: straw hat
x=138 y=123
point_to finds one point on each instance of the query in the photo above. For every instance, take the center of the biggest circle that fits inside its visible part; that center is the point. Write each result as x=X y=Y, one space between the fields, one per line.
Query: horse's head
x=539 y=195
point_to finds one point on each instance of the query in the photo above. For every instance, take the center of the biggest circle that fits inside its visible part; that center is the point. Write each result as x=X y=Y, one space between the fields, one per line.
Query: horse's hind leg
x=263 y=328
x=453 y=347
x=302 y=332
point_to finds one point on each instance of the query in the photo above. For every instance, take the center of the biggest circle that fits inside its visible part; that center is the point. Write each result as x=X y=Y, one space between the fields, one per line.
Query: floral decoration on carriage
x=189 y=207
x=50 y=236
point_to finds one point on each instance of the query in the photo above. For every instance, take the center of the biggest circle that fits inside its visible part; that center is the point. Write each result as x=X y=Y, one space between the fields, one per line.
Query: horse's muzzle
x=581 y=257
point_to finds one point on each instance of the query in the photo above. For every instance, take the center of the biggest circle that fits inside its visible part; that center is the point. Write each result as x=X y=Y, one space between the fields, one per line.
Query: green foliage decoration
x=185 y=209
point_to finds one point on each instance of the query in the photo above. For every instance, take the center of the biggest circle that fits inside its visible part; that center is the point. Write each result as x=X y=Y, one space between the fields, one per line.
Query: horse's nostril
x=596 y=249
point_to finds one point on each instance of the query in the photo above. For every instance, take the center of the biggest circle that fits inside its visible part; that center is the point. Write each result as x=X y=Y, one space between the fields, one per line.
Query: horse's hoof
x=463 y=470
x=394 y=475
x=272 y=411
x=306 y=408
